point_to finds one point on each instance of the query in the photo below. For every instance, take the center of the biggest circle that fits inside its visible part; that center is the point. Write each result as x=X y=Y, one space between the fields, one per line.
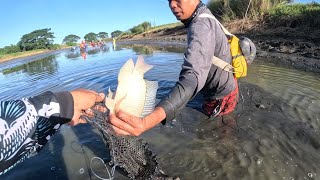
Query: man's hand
x=83 y=99
x=125 y=124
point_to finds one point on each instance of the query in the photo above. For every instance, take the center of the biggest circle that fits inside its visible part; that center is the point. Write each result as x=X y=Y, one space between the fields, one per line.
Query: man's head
x=183 y=9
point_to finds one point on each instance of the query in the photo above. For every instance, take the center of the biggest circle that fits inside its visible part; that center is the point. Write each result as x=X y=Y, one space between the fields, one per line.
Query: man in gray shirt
x=219 y=87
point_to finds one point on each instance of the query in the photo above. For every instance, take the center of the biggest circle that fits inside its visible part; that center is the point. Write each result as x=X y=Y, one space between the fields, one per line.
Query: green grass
x=227 y=10
x=5 y=57
x=295 y=10
x=275 y=12
x=128 y=34
x=165 y=26
x=296 y=14
x=20 y=54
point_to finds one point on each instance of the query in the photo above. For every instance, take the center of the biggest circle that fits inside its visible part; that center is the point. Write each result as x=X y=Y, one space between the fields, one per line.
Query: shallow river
x=273 y=134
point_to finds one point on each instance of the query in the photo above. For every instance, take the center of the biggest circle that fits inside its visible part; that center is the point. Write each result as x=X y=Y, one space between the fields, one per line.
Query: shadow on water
x=48 y=163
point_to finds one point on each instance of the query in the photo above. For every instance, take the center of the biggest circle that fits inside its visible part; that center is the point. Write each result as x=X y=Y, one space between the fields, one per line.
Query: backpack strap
x=205 y=15
x=215 y=60
x=222 y=64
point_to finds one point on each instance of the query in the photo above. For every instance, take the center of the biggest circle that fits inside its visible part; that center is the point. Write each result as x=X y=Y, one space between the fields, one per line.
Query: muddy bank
x=291 y=48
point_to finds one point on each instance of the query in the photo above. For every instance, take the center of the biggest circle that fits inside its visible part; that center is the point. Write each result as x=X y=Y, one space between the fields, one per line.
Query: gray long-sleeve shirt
x=205 y=40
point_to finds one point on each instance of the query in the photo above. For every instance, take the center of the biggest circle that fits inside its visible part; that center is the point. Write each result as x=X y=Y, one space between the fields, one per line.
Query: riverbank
x=18 y=55
x=293 y=47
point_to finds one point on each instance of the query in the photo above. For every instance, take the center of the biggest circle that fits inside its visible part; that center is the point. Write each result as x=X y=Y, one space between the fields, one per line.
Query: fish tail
x=110 y=104
x=110 y=93
x=141 y=66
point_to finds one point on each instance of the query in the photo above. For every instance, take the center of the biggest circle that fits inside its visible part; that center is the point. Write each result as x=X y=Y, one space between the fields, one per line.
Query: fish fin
x=110 y=93
x=141 y=66
x=110 y=104
x=150 y=101
x=126 y=70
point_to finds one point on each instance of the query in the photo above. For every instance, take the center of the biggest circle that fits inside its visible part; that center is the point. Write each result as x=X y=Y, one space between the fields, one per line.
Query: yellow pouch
x=239 y=62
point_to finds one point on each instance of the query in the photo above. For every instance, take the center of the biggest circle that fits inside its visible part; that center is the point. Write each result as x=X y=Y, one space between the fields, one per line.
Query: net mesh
x=130 y=153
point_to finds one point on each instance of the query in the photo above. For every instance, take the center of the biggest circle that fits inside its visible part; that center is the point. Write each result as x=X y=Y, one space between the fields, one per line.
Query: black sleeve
x=26 y=125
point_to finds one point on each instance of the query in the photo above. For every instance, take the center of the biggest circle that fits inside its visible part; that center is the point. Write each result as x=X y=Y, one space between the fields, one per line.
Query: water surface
x=273 y=134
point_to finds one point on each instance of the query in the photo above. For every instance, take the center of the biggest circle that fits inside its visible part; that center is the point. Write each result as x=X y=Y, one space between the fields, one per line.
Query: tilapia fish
x=134 y=95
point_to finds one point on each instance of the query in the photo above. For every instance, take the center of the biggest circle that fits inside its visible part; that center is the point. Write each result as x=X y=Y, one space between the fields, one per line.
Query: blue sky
x=79 y=17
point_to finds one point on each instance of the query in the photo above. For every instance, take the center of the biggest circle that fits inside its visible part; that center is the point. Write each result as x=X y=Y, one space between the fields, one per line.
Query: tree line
x=38 y=39
x=276 y=10
x=71 y=39
x=43 y=39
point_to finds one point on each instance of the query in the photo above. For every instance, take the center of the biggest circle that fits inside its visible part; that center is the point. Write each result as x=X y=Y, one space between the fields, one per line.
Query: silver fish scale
x=127 y=152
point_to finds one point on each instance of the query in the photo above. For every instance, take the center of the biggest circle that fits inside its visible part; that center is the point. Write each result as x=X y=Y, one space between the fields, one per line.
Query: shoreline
x=300 y=54
x=31 y=54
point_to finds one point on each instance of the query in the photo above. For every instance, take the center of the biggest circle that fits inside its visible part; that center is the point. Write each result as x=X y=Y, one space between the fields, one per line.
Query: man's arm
x=192 y=79
x=195 y=70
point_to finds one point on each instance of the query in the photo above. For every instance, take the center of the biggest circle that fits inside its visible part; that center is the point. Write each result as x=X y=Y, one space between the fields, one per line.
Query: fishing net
x=129 y=153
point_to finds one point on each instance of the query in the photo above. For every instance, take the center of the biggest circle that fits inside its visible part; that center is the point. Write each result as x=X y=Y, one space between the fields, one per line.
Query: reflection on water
x=45 y=65
x=75 y=53
x=273 y=134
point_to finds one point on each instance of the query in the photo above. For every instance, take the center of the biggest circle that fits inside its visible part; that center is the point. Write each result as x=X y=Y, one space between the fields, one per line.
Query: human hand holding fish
x=134 y=99
x=126 y=124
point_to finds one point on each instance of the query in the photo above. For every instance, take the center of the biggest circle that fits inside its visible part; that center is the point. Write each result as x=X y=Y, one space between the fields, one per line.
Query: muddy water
x=273 y=134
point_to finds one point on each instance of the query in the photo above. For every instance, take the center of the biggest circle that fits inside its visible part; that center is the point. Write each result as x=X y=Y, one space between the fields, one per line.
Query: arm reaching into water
x=26 y=125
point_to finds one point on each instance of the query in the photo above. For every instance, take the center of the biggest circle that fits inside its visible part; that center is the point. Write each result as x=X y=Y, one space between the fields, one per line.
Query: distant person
x=114 y=43
x=219 y=87
x=26 y=125
x=101 y=43
x=93 y=44
x=84 y=55
x=83 y=46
